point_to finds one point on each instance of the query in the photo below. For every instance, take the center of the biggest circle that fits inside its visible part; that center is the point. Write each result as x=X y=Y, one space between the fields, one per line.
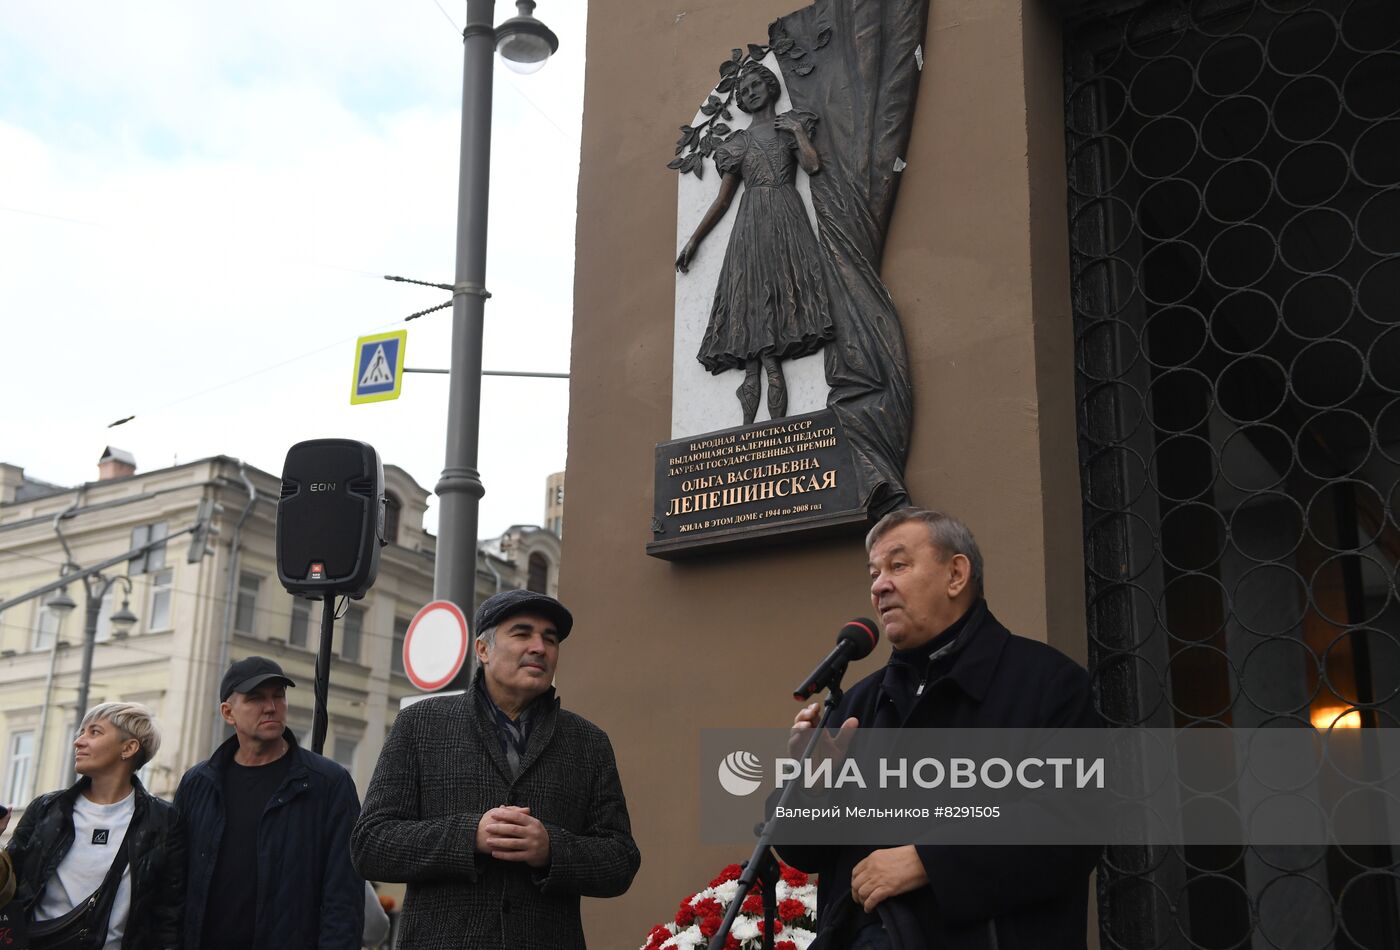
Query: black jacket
x=977 y=897
x=441 y=768
x=309 y=895
x=156 y=855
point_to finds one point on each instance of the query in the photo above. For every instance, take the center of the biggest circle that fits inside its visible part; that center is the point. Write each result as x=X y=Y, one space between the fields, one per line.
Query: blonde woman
x=101 y=865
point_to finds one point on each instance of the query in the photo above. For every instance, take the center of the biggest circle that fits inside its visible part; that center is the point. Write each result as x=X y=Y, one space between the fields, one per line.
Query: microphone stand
x=762 y=866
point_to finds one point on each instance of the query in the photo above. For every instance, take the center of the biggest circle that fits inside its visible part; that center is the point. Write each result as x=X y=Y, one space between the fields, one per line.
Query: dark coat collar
x=977 y=661
x=69 y=795
x=982 y=640
x=476 y=706
x=218 y=763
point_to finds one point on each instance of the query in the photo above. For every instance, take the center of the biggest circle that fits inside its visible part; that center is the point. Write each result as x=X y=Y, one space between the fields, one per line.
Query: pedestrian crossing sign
x=378 y=367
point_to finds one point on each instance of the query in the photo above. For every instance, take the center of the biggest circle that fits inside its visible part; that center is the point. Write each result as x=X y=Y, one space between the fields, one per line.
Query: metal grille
x=1234 y=182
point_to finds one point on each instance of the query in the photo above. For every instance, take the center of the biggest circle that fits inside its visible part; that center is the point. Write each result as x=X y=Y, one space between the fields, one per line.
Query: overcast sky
x=198 y=201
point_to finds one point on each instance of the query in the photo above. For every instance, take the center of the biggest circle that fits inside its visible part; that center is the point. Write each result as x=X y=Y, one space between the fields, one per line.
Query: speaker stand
x=323 y=672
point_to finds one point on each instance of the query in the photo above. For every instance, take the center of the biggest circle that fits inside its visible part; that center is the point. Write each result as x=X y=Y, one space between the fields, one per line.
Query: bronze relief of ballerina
x=771 y=300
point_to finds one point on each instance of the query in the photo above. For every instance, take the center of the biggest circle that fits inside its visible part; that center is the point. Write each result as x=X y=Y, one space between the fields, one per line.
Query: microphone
x=855 y=642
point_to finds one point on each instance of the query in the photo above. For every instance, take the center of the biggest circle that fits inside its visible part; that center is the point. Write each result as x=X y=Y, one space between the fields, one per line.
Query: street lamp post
x=96 y=587
x=525 y=44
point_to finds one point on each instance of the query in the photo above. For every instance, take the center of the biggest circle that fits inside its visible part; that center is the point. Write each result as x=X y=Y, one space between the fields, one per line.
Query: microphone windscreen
x=862 y=634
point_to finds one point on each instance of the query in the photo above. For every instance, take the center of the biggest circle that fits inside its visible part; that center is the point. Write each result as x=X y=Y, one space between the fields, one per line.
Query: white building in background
x=196 y=618
x=554 y=503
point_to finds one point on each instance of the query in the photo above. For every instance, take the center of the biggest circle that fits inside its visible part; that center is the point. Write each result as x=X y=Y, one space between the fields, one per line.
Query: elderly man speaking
x=497 y=807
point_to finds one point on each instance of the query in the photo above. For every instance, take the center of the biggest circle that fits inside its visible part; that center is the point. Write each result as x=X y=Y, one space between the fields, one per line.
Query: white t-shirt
x=98 y=831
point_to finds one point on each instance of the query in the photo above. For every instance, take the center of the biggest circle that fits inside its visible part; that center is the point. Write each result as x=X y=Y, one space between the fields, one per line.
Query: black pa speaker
x=330 y=518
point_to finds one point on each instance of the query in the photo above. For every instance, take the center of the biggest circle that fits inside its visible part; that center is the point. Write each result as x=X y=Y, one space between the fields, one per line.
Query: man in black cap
x=267 y=827
x=497 y=807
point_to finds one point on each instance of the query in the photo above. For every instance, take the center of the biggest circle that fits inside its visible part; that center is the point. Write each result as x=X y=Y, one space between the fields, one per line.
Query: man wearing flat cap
x=267 y=826
x=497 y=807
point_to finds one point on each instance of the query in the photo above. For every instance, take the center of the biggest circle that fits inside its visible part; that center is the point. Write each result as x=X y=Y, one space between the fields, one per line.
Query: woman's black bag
x=76 y=929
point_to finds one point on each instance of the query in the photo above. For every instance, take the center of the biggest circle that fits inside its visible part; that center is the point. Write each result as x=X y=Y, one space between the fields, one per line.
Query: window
x=46 y=628
x=301 y=622
x=392 y=508
x=18 y=770
x=396 y=656
x=343 y=751
x=351 y=633
x=154 y=559
x=162 y=586
x=246 y=609
x=539 y=574
x=104 y=613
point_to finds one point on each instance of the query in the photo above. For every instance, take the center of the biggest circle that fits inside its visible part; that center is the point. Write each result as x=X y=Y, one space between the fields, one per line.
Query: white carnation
x=687 y=939
x=745 y=928
x=725 y=892
x=803 y=938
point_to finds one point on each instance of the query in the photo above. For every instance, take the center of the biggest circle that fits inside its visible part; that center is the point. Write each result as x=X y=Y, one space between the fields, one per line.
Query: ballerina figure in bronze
x=770 y=302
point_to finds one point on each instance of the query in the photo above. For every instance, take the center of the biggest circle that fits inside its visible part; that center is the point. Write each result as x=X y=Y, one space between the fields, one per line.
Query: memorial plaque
x=752 y=485
x=782 y=295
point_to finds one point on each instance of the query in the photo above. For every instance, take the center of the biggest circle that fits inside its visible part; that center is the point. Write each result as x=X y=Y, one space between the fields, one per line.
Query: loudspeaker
x=330 y=518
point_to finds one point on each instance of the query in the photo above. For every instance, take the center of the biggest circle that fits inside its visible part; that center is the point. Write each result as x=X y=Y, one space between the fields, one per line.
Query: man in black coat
x=497 y=807
x=953 y=666
x=268 y=831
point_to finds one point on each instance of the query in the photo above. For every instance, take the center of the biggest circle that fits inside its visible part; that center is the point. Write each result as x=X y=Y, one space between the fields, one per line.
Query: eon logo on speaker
x=323 y=486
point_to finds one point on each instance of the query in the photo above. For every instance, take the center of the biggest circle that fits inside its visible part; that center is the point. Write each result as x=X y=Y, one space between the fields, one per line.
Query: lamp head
x=524 y=42
x=61 y=604
x=123 y=619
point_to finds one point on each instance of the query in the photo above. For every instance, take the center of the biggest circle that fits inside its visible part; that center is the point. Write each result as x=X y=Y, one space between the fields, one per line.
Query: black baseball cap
x=508 y=603
x=248 y=674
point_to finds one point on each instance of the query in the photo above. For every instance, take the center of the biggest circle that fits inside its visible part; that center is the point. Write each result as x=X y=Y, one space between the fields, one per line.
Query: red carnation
x=731 y=942
x=794 y=877
x=686 y=915
x=730 y=873
x=777 y=927
x=792 y=909
x=784 y=945
x=709 y=926
x=659 y=935
x=753 y=904
x=709 y=907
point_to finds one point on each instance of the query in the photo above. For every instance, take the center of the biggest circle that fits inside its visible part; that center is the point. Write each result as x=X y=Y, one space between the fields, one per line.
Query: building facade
x=194 y=618
x=1148 y=288
x=554 y=503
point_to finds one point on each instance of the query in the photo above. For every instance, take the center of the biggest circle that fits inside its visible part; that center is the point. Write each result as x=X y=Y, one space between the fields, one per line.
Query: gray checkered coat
x=442 y=768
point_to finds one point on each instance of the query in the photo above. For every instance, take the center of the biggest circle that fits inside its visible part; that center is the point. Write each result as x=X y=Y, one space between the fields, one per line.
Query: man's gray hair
x=133 y=720
x=487 y=636
x=946 y=532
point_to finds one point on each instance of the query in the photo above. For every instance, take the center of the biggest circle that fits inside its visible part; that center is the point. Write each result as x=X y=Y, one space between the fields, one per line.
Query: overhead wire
x=132 y=416
x=268 y=369
x=218 y=600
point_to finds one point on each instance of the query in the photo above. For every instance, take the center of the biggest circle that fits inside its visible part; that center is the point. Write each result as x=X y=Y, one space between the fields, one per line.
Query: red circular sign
x=435 y=647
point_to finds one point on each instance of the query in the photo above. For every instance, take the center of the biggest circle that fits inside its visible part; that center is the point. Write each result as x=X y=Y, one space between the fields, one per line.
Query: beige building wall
x=175 y=667
x=977 y=264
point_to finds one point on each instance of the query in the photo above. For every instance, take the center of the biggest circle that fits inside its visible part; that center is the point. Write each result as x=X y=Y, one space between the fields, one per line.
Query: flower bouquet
x=701 y=914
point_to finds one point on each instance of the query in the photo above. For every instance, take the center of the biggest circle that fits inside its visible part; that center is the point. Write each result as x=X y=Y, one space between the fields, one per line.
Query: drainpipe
x=486 y=559
x=230 y=604
x=53 y=652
